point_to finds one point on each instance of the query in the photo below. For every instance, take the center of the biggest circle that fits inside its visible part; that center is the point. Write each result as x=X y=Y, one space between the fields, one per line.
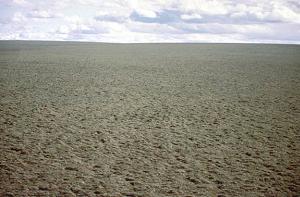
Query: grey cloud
x=163 y=17
x=171 y=16
x=118 y=19
x=151 y=21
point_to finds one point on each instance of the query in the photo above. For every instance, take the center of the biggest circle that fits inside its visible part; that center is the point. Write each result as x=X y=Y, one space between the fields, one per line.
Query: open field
x=87 y=119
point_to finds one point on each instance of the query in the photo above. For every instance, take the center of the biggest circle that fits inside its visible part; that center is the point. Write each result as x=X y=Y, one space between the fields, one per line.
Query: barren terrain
x=153 y=120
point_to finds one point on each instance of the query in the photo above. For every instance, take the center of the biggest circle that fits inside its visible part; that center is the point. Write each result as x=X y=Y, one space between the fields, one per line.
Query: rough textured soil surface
x=159 y=120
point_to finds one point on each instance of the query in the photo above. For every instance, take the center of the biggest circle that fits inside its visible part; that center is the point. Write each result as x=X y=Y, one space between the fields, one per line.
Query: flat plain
x=153 y=120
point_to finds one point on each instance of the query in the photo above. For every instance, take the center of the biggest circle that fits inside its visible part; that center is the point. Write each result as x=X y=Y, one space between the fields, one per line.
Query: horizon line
x=85 y=41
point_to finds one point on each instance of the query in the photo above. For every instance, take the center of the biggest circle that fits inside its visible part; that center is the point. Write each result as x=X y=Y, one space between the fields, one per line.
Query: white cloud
x=282 y=12
x=210 y=7
x=274 y=11
x=63 y=29
x=146 y=13
x=152 y=21
x=190 y=16
x=43 y=14
x=18 y=17
x=20 y=2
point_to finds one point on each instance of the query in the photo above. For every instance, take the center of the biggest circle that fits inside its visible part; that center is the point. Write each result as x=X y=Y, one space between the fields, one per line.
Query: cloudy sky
x=265 y=21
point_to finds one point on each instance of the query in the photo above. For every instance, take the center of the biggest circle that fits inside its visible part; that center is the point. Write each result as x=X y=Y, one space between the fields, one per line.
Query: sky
x=134 y=21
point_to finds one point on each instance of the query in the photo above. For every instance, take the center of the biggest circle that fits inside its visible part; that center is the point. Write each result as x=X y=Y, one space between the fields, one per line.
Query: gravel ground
x=157 y=120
